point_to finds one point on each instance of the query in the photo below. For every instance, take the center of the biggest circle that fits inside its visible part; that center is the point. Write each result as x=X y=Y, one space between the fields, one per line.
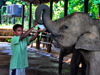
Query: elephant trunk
x=48 y=23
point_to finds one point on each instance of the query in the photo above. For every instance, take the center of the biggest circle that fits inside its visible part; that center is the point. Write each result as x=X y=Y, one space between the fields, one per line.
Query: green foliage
x=94 y=7
x=58 y=8
x=8 y=3
x=8 y=40
x=5 y=25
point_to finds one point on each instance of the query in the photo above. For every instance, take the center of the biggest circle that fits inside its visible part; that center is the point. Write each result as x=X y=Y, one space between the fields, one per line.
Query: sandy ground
x=40 y=61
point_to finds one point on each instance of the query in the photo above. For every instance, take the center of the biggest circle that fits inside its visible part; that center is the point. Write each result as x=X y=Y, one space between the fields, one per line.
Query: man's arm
x=28 y=32
x=34 y=37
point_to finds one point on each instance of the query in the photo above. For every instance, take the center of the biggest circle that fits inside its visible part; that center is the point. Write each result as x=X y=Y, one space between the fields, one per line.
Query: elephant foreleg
x=94 y=70
x=76 y=59
x=63 y=52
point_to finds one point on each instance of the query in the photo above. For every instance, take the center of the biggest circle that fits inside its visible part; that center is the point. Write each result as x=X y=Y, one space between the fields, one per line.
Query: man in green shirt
x=19 y=59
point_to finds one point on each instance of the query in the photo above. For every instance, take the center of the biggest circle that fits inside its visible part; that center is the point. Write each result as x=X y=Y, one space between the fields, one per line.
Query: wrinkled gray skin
x=76 y=29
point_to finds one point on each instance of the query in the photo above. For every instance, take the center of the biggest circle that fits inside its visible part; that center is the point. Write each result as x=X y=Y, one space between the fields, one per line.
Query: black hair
x=16 y=26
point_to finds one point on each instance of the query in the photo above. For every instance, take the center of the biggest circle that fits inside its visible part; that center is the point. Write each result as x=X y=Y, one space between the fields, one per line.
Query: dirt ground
x=40 y=61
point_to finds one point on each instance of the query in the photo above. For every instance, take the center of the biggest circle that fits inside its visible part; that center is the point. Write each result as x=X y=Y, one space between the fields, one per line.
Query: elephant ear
x=89 y=41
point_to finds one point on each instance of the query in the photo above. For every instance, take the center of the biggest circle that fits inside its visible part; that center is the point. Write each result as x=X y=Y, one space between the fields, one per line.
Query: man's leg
x=12 y=72
x=20 y=71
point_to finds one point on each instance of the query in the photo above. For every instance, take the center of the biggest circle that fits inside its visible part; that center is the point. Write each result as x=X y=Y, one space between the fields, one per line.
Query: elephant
x=77 y=29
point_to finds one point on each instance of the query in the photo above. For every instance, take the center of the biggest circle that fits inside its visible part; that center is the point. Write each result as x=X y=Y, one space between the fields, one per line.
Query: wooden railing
x=6 y=33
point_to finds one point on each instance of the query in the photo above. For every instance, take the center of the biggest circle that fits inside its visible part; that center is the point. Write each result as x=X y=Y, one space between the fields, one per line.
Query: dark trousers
x=13 y=72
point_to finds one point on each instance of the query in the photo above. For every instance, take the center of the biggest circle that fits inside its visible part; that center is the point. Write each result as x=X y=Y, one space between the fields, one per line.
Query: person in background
x=41 y=27
x=43 y=31
x=98 y=16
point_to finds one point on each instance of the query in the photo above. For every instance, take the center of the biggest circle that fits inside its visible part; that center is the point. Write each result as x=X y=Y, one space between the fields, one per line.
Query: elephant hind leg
x=83 y=69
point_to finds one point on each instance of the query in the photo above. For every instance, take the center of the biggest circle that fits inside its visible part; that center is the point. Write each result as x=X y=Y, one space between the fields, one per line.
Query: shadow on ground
x=39 y=64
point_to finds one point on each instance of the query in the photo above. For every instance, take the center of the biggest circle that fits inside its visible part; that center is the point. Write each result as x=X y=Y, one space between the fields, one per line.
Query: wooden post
x=99 y=10
x=12 y=20
x=65 y=7
x=7 y=20
x=18 y=19
x=49 y=45
x=51 y=6
x=86 y=6
x=30 y=15
x=2 y=19
x=38 y=42
x=23 y=10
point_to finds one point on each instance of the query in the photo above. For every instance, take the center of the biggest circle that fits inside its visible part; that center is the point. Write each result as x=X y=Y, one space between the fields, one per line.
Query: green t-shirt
x=19 y=57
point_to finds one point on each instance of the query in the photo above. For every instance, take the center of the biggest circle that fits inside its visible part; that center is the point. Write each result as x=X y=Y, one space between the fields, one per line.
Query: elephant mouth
x=55 y=34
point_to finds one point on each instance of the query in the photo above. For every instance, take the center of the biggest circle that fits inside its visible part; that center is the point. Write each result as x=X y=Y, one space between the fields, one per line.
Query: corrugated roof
x=40 y=1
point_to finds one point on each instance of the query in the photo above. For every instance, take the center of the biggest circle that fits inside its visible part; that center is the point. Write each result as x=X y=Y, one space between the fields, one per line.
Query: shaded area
x=39 y=64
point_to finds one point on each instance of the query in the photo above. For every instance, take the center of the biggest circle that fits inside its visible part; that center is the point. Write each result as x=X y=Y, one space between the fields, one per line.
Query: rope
x=51 y=44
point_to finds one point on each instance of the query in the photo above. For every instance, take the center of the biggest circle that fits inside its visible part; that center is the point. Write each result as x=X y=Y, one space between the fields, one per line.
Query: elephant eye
x=63 y=27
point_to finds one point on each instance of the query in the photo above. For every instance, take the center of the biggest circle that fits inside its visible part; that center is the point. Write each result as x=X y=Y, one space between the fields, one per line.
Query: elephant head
x=77 y=29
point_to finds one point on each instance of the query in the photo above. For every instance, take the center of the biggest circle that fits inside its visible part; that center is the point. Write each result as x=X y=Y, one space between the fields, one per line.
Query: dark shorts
x=17 y=72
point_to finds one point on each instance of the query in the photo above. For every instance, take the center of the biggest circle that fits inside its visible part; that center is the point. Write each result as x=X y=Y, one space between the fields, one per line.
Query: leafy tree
x=58 y=8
